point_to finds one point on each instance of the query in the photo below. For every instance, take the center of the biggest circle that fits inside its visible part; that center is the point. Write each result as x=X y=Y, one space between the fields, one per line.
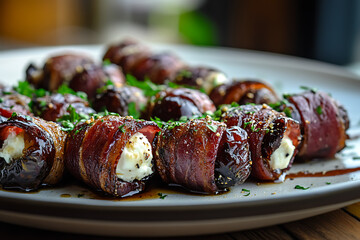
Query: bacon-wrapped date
x=54 y=106
x=243 y=92
x=57 y=70
x=31 y=153
x=126 y=54
x=273 y=138
x=203 y=156
x=93 y=77
x=136 y=59
x=118 y=100
x=157 y=67
x=323 y=123
x=13 y=102
x=173 y=103
x=112 y=154
x=201 y=77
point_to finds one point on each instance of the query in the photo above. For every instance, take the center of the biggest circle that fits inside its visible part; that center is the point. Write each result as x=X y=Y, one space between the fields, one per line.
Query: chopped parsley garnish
x=158 y=121
x=313 y=90
x=25 y=88
x=247 y=191
x=106 y=62
x=246 y=124
x=213 y=128
x=162 y=196
x=328 y=183
x=319 y=110
x=67 y=126
x=64 y=89
x=14 y=114
x=122 y=128
x=301 y=187
x=288 y=112
x=132 y=111
x=184 y=73
x=105 y=87
x=69 y=121
x=149 y=88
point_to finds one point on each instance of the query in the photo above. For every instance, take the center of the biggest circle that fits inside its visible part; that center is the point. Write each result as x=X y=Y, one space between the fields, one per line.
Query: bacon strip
x=323 y=123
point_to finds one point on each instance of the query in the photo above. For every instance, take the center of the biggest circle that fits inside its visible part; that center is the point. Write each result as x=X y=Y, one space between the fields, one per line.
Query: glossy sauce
x=329 y=173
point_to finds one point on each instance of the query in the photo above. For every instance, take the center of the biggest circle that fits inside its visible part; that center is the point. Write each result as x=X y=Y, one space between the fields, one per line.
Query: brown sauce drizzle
x=329 y=173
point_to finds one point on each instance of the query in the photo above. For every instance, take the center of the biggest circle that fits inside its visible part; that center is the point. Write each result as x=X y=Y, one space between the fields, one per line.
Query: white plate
x=187 y=214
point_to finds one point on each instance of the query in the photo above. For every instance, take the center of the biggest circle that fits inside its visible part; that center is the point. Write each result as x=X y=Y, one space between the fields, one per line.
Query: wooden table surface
x=339 y=224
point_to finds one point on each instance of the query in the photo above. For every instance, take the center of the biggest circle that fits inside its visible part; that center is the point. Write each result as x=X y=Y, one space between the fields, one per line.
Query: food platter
x=74 y=208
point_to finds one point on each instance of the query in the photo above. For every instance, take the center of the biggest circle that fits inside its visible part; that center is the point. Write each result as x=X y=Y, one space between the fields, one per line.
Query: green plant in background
x=197 y=29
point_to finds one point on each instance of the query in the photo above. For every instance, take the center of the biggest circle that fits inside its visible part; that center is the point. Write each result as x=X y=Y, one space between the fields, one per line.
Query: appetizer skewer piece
x=204 y=78
x=243 y=92
x=54 y=106
x=92 y=77
x=136 y=59
x=323 y=123
x=157 y=67
x=202 y=156
x=57 y=70
x=273 y=138
x=126 y=54
x=31 y=153
x=120 y=100
x=112 y=154
x=173 y=103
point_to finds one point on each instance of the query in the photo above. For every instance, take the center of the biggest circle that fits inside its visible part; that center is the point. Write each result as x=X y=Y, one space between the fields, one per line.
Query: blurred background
x=325 y=30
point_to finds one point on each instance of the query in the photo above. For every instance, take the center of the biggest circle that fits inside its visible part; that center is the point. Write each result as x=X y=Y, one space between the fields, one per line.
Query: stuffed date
x=323 y=123
x=57 y=70
x=203 y=78
x=31 y=153
x=173 y=103
x=53 y=107
x=273 y=138
x=112 y=154
x=243 y=92
x=203 y=156
x=92 y=77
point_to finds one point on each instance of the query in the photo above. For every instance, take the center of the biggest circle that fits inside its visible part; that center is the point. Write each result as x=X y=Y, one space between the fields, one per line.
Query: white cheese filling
x=214 y=79
x=12 y=147
x=281 y=157
x=136 y=159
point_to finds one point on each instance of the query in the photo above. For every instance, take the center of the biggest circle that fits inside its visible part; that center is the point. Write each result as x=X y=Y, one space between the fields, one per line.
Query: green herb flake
x=247 y=191
x=184 y=73
x=106 y=62
x=328 y=183
x=14 y=114
x=122 y=128
x=132 y=111
x=149 y=88
x=67 y=126
x=162 y=196
x=356 y=158
x=246 y=124
x=313 y=90
x=319 y=110
x=301 y=187
x=213 y=128
x=288 y=112
x=64 y=89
